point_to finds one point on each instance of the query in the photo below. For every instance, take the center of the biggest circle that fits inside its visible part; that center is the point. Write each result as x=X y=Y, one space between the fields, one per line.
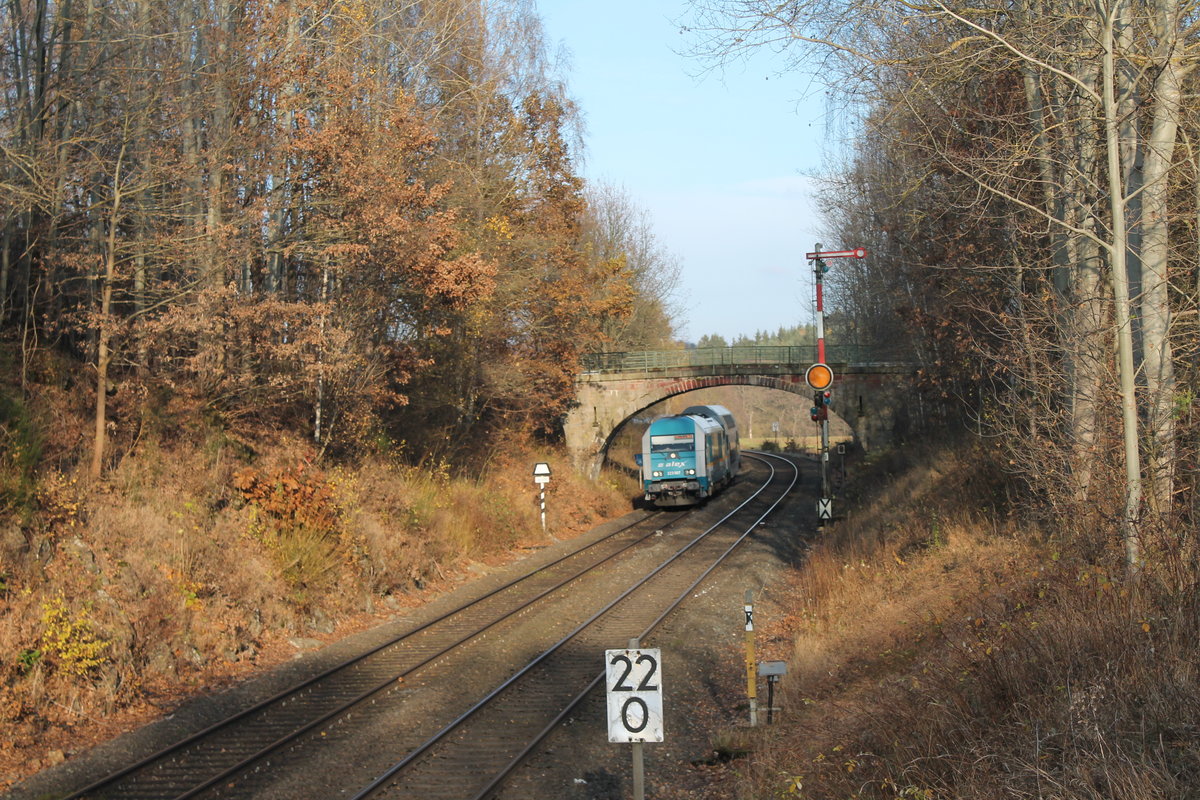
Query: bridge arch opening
x=779 y=417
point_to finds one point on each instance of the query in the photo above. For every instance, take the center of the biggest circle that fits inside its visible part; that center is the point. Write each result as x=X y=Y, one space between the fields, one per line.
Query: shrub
x=68 y=640
x=300 y=523
x=290 y=498
x=20 y=451
x=58 y=503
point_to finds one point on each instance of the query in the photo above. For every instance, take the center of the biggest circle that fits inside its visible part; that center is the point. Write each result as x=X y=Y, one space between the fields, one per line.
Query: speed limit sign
x=634 y=681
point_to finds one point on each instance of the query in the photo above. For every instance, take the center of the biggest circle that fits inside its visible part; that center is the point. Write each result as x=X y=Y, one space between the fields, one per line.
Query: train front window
x=672 y=443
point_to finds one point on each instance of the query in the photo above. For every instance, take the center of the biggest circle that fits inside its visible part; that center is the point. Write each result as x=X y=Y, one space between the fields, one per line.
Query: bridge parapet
x=840 y=370
x=776 y=357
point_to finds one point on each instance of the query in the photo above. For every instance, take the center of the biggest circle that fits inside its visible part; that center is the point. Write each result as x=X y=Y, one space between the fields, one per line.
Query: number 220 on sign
x=634 y=682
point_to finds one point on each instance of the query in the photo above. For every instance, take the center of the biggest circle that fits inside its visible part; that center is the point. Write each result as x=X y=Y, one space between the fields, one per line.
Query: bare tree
x=620 y=233
x=1103 y=208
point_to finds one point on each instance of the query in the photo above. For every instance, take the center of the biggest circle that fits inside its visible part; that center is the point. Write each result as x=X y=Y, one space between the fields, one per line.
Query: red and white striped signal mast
x=819 y=376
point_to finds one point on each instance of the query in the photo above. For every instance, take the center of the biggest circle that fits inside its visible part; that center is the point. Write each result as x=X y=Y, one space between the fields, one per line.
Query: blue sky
x=719 y=160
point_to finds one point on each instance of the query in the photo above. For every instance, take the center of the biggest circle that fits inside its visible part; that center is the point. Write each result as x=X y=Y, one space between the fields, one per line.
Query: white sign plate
x=633 y=680
x=824 y=509
x=541 y=479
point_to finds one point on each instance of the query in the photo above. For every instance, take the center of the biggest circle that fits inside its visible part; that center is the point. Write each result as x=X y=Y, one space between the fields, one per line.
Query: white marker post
x=633 y=679
x=751 y=683
x=541 y=476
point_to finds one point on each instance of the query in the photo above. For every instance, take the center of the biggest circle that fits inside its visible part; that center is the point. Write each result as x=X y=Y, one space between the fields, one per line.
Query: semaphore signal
x=858 y=252
x=819 y=375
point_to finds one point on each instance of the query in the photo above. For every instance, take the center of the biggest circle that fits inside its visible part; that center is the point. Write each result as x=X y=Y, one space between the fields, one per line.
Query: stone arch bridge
x=870 y=396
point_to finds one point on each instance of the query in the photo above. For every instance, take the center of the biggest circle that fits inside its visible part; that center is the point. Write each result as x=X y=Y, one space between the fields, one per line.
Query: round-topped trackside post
x=541 y=476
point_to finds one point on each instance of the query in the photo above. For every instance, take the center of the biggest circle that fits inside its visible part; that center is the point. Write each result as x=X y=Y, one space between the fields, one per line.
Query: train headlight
x=656 y=474
x=691 y=472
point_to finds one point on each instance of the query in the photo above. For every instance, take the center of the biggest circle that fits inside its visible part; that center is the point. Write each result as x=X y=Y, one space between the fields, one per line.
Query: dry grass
x=194 y=563
x=939 y=654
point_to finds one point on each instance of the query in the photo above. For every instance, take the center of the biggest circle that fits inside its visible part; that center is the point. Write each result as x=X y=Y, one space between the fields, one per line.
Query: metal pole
x=639 y=765
x=751 y=667
x=819 y=275
x=825 y=493
x=819 y=269
x=542 y=501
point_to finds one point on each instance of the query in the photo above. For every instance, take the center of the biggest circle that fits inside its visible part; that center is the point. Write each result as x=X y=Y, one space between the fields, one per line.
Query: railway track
x=471 y=756
x=243 y=756
x=190 y=766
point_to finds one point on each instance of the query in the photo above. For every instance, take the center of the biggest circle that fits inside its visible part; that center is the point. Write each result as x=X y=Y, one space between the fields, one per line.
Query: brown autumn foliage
x=313 y=223
x=205 y=556
x=284 y=288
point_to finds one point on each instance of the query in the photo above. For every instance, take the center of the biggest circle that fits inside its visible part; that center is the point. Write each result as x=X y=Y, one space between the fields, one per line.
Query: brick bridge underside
x=870 y=398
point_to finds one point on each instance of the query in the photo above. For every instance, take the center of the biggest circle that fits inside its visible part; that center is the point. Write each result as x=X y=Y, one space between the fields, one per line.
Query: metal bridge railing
x=799 y=356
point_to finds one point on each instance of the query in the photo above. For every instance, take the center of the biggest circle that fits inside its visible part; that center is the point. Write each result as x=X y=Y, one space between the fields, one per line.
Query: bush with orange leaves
x=290 y=497
x=299 y=521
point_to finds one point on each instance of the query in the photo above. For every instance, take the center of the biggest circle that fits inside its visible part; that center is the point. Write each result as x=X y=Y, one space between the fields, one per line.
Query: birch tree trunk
x=1085 y=335
x=142 y=201
x=1155 y=301
x=104 y=333
x=279 y=181
x=5 y=266
x=1119 y=242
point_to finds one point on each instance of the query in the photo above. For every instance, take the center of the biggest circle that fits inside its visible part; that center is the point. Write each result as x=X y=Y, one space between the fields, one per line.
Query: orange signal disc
x=819 y=376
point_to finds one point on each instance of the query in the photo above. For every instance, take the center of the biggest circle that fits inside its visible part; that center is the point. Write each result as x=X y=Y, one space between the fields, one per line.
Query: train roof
x=719 y=413
x=682 y=423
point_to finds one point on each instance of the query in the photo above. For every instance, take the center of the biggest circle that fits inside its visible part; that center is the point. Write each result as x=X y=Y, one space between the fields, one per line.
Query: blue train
x=689 y=457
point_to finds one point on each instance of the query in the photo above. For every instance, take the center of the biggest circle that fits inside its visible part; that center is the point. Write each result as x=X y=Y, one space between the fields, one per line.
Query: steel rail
x=499 y=778
x=413 y=755
x=359 y=658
